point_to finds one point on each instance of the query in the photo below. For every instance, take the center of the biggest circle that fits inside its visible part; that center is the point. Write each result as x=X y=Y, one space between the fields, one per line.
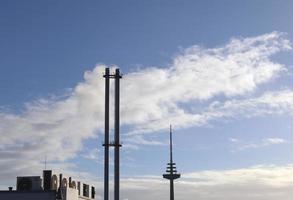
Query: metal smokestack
x=117 y=136
x=116 y=144
x=106 y=144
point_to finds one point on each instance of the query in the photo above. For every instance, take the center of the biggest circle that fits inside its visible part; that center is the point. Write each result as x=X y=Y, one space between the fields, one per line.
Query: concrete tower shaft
x=171 y=172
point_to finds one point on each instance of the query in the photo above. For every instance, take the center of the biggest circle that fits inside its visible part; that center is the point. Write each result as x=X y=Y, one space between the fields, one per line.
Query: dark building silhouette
x=49 y=187
x=171 y=172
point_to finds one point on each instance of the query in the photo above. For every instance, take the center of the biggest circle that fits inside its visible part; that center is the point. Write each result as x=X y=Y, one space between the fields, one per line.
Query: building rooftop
x=49 y=187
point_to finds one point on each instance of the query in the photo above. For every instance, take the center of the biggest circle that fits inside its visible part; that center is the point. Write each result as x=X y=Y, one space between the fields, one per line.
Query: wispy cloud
x=270 y=141
x=256 y=183
x=136 y=141
x=242 y=145
x=272 y=102
x=91 y=154
x=158 y=95
x=151 y=99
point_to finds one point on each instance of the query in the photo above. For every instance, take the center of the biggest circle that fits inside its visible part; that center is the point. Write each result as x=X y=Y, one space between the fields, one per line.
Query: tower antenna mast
x=171 y=172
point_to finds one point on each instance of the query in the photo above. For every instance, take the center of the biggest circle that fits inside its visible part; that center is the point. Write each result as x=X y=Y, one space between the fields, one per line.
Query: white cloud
x=136 y=141
x=233 y=140
x=270 y=103
x=151 y=98
x=154 y=96
x=255 y=183
x=275 y=141
x=91 y=154
x=242 y=145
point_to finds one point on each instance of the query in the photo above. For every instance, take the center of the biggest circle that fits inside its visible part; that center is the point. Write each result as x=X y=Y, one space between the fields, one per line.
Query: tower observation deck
x=171 y=172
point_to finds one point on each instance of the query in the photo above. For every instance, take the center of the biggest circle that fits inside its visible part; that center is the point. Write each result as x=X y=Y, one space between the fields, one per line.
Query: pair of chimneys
x=171 y=169
x=116 y=144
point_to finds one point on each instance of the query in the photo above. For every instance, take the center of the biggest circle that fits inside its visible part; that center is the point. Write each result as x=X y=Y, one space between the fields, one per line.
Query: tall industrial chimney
x=106 y=144
x=116 y=144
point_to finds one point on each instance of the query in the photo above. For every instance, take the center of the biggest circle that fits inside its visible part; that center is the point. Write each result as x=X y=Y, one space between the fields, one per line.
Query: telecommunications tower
x=171 y=169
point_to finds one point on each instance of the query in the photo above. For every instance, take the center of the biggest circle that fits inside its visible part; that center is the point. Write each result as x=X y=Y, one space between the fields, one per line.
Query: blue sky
x=64 y=38
x=224 y=80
